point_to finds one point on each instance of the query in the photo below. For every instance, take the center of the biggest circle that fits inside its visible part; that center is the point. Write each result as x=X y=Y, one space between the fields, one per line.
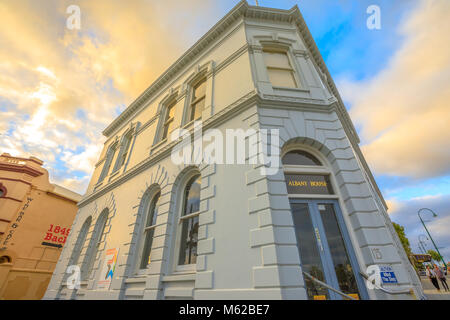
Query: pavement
x=431 y=292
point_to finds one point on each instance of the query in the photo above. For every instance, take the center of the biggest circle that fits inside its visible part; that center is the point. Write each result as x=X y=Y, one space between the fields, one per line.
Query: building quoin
x=153 y=228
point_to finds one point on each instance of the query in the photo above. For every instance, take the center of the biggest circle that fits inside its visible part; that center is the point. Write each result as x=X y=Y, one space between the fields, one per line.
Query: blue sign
x=387 y=274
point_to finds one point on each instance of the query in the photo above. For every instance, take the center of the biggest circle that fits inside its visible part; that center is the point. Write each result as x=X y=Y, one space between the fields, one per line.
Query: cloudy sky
x=60 y=88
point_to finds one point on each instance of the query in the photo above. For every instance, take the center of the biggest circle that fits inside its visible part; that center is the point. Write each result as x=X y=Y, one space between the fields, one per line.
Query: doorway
x=325 y=249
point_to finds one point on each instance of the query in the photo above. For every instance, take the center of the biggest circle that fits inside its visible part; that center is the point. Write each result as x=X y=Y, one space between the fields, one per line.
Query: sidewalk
x=431 y=292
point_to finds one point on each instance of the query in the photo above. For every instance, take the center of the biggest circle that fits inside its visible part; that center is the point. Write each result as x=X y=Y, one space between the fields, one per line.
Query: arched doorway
x=323 y=242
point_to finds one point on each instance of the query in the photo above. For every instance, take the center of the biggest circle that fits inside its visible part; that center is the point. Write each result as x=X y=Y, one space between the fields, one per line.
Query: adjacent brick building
x=35 y=220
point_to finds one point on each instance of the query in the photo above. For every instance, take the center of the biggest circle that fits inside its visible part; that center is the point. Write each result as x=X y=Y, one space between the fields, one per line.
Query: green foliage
x=434 y=255
x=403 y=239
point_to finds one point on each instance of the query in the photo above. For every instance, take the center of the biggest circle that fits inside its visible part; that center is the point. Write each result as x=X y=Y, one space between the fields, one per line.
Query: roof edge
x=237 y=11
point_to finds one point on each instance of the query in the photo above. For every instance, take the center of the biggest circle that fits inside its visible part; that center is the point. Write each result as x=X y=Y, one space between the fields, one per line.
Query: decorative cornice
x=21 y=169
x=242 y=9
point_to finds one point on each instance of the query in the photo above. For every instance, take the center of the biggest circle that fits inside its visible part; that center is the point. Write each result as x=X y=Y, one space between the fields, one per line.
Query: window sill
x=188 y=124
x=156 y=145
x=98 y=185
x=185 y=269
x=180 y=277
x=115 y=173
x=136 y=279
x=291 y=89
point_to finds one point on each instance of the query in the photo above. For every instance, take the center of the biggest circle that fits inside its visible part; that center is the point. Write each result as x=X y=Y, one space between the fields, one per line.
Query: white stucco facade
x=247 y=248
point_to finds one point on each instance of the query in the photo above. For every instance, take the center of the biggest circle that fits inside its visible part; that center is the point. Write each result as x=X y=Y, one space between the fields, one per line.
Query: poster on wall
x=109 y=266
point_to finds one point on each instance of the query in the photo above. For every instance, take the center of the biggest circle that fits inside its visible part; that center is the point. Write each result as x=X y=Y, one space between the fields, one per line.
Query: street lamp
x=422 y=243
x=419 y=246
x=431 y=238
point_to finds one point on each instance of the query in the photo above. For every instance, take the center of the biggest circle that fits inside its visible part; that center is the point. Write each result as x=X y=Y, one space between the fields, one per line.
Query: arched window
x=80 y=241
x=123 y=153
x=109 y=157
x=300 y=158
x=151 y=212
x=300 y=180
x=189 y=222
x=94 y=244
x=5 y=259
x=2 y=190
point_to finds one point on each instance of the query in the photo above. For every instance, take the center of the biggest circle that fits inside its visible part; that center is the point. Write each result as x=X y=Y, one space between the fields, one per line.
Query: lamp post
x=422 y=243
x=431 y=238
x=419 y=245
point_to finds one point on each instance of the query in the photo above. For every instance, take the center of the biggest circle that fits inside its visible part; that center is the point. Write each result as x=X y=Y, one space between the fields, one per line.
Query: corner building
x=222 y=231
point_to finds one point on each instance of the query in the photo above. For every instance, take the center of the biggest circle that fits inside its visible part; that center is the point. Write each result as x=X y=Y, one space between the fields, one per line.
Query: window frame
x=171 y=104
x=149 y=201
x=187 y=268
x=94 y=244
x=81 y=240
x=3 y=190
x=293 y=71
x=125 y=147
x=195 y=100
x=109 y=157
x=323 y=169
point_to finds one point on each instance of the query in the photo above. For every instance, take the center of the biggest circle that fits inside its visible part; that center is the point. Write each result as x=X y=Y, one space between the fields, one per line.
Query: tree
x=434 y=255
x=403 y=239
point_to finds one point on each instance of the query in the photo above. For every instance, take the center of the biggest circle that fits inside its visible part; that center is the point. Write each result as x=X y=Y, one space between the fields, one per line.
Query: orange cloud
x=404 y=110
x=49 y=73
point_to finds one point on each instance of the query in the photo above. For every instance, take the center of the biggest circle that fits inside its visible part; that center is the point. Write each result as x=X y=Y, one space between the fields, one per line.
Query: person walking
x=441 y=276
x=432 y=276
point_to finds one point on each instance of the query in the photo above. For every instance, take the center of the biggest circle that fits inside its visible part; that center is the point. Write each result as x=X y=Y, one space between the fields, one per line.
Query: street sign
x=387 y=274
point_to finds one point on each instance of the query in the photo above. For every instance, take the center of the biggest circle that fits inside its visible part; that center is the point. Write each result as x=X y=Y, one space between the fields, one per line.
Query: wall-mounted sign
x=108 y=269
x=308 y=184
x=387 y=274
x=15 y=224
x=56 y=235
x=422 y=257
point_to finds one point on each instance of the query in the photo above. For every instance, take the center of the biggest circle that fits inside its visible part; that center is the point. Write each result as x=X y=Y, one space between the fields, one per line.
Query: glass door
x=325 y=249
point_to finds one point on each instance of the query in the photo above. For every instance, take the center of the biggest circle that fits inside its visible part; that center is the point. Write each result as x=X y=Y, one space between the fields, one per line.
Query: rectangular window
x=122 y=157
x=109 y=157
x=126 y=147
x=279 y=69
x=168 y=122
x=198 y=100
